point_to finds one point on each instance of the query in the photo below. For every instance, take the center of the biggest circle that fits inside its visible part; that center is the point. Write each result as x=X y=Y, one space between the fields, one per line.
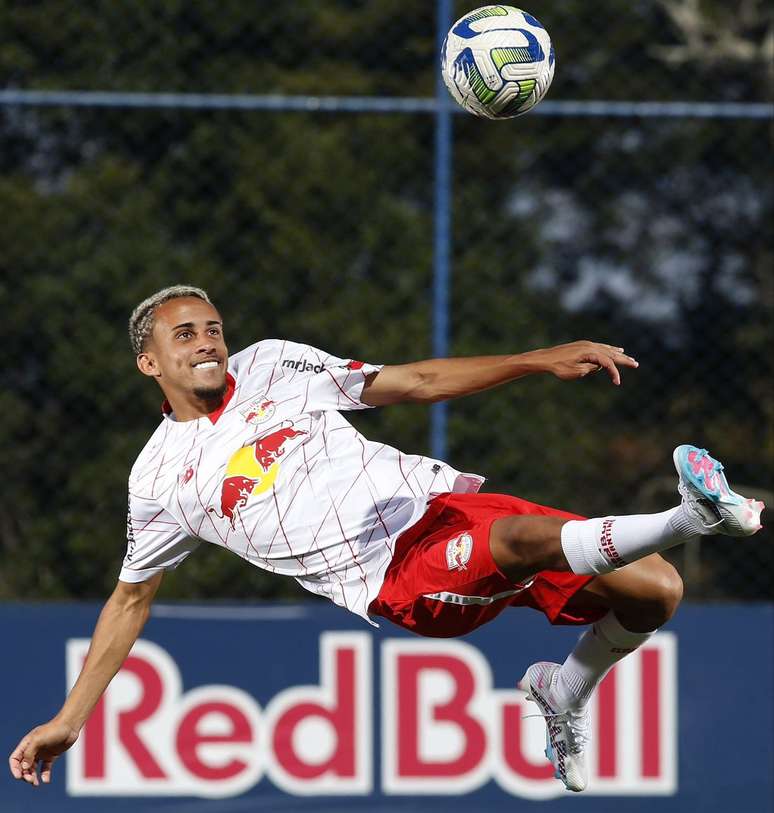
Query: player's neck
x=190 y=406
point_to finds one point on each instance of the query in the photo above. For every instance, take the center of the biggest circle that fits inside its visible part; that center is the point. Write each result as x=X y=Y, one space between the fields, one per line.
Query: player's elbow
x=422 y=388
x=136 y=596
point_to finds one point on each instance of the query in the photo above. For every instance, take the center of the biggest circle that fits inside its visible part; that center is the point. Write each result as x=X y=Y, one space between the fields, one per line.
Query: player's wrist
x=535 y=361
x=72 y=718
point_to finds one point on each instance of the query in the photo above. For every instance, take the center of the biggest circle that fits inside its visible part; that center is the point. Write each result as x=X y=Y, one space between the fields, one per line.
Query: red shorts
x=442 y=581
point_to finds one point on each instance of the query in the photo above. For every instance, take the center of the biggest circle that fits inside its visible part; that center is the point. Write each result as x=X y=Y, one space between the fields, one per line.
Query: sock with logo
x=598 y=649
x=603 y=544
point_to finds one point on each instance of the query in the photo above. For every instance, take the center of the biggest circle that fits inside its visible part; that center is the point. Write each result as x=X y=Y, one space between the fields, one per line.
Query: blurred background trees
x=650 y=233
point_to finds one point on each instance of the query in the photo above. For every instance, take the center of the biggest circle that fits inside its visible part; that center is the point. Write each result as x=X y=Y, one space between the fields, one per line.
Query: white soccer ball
x=497 y=61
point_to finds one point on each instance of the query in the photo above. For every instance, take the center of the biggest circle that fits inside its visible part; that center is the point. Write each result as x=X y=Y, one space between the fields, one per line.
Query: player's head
x=176 y=335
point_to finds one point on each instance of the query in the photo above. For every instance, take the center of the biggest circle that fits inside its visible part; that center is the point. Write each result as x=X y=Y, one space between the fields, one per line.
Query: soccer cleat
x=567 y=731
x=708 y=498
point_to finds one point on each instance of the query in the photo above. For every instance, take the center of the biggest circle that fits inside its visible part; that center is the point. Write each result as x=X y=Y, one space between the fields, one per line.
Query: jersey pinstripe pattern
x=282 y=479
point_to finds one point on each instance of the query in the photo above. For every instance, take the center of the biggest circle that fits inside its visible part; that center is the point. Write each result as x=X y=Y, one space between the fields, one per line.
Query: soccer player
x=253 y=454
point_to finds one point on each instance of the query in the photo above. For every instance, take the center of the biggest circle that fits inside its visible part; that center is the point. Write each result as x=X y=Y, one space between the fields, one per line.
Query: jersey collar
x=166 y=407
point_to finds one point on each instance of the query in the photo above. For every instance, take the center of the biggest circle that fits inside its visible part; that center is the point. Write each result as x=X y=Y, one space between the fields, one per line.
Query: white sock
x=594 y=546
x=600 y=646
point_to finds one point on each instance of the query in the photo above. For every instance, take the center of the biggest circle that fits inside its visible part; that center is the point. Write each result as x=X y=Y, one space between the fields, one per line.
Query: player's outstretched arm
x=441 y=379
x=119 y=625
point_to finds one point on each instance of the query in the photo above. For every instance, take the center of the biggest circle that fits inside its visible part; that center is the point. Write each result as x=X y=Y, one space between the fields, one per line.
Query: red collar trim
x=166 y=407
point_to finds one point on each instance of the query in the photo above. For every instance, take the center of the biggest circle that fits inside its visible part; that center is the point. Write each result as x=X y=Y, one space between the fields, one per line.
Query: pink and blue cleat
x=708 y=497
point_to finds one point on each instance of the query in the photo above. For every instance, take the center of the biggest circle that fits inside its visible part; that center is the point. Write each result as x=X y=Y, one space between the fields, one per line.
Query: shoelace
x=577 y=728
x=577 y=725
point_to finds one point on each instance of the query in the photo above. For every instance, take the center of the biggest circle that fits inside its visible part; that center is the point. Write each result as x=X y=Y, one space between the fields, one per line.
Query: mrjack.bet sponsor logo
x=444 y=729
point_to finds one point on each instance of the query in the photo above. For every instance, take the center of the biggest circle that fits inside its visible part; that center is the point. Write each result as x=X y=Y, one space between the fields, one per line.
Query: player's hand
x=41 y=746
x=578 y=359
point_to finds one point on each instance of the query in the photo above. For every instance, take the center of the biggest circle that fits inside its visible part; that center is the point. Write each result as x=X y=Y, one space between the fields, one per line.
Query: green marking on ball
x=510 y=56
x=494 y=11
x=526 y=86
x=479 y=87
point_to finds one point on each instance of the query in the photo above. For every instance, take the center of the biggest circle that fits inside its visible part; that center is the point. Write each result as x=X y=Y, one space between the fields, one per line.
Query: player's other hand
x=578 y=359
x=41 y=746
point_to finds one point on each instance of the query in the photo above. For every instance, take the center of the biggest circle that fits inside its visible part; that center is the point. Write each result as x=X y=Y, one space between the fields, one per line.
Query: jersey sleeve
x=332 y=382
x=155 y=541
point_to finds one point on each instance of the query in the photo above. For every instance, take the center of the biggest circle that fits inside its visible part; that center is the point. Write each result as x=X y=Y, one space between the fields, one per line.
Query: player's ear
x=147 y=365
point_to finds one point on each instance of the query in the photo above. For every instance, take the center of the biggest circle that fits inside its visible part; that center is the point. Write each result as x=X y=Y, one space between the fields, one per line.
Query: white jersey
x=280 y=478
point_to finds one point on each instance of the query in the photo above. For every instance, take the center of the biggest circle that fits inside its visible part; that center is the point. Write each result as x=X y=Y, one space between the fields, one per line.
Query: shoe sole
x=722 y=491
x=747 y=524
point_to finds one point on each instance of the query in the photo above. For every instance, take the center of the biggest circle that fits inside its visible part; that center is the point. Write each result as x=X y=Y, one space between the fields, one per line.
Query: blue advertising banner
x=305 y=708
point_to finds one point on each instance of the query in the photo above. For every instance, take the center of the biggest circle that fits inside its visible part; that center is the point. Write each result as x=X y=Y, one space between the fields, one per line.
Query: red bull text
x=444 y=728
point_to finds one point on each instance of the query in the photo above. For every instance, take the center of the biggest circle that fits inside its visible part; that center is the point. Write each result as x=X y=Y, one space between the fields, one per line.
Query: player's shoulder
x=152 y=451
x=278 y=353
x=266 y=351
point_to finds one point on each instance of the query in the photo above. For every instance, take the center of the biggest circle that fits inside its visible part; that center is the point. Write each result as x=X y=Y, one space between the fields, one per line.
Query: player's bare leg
x=639 y=590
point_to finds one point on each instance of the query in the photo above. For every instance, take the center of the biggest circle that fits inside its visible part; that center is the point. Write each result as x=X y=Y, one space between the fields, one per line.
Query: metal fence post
x=442 y=230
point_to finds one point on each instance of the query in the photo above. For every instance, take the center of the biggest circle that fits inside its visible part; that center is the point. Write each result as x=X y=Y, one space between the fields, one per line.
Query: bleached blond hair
x=142 y=319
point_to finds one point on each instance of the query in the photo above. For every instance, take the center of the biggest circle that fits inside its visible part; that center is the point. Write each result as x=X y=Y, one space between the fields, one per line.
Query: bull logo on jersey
x=185 y=476
x=251 y=471
x=458 y=551
x=258 y=411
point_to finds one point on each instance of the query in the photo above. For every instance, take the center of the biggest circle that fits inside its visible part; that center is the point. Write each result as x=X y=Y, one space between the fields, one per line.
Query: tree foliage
x=317 y=227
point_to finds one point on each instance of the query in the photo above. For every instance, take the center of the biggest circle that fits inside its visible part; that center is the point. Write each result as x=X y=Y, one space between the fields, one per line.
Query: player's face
x=186 y=351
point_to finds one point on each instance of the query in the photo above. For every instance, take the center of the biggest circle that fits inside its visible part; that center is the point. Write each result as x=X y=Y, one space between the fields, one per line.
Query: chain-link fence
x=649 y=231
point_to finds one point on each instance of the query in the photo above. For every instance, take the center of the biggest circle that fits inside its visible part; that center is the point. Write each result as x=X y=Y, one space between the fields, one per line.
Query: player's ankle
x=571 y=691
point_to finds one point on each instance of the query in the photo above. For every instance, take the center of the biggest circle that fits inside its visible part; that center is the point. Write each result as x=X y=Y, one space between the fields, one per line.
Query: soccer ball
x=497 y=62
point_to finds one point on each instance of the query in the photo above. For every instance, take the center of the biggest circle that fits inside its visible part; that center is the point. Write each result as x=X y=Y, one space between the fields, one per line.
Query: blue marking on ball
x=536 y=52
x=464 y=61
x=531 y=20
x=463 y=29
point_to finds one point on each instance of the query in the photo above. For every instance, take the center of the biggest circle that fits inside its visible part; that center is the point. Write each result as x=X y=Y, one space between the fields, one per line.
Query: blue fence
x=300 y=707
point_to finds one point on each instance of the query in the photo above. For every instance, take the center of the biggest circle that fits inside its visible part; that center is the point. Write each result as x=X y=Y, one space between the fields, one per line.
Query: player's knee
x=665 y=591
x=671 y=588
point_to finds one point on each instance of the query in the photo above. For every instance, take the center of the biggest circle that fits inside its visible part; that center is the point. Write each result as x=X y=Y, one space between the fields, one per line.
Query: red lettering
x=410 y=762
x=606 y=732
x=94 y=743
x=513 y=753
x=341 y=717
x=150 y=700
x=651 y=712
x=189 y=739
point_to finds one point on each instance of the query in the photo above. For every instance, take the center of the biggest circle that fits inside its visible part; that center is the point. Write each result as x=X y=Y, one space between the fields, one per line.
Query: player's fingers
x=30 y=775
x=605 y=361
x=45 y=770
x=29 y=763
x=626 y=361
x=619 y=355
x=585 y=368
x=18 y=761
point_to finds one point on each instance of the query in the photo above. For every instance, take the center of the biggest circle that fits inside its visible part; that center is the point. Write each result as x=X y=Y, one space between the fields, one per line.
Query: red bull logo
x=259 y=410
x=185 y=477
x=269 y=448
x=251 y=471
x=445 y=728
x=458 y=552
